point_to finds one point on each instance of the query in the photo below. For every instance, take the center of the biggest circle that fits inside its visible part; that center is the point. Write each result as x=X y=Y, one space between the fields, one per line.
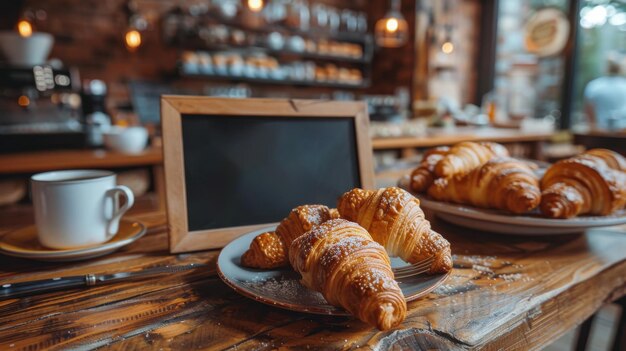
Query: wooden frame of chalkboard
x=174 y=109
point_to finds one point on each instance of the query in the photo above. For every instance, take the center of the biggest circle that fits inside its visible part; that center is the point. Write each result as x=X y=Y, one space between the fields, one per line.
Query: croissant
x=395 y=220
x=498 y=149
x=501 y=183
x=270 y=250
x=463 y=158
x=339 y=259
x=611 y=158
x=582 y=185
x=439 y=150
x=424 y=175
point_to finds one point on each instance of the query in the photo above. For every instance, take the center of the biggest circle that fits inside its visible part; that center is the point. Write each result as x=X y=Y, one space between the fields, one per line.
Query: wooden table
x=439 y=137
x=505 y=293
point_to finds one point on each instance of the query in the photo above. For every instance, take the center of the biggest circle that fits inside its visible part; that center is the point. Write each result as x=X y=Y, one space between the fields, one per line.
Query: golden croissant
x=582 y=185
x=462 y=159
x=395 y=220
x=498 y=150
x=424 y=175
x=270 y=250
x=501 y=183
x=339 y=259
x=611 y=158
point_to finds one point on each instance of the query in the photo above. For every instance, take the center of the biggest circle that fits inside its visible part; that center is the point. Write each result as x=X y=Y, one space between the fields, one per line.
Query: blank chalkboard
x=232 y=165
x=255 y=170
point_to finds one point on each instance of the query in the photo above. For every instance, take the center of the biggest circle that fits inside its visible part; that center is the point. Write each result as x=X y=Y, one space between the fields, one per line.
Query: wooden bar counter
x=449 y=137
x=440 y=137
x=505 y=293
x=42 y=161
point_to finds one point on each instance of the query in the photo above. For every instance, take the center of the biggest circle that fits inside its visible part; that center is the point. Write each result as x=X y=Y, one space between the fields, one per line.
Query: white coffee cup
x=78 y=207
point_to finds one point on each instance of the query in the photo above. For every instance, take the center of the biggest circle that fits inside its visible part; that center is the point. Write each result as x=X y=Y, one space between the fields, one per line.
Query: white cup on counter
x=78 y=207
x=129 y=140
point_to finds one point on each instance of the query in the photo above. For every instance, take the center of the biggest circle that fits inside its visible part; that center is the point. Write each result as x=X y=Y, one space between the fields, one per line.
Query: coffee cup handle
x=114 y=221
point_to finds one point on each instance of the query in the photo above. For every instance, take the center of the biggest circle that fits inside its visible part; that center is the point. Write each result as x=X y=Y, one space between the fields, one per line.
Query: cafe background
x=454 y=66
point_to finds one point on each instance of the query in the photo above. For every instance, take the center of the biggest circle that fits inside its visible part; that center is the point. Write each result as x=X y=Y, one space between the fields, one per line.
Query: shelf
x=312 y=33
x=310 y=55
x=364 y=84
x=42 y=161
x=302 y=55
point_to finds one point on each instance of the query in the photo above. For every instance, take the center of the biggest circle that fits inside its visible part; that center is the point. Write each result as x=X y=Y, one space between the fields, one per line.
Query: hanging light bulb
x=136 y=24
x=23 y=101
x=392 y=25
x=392 y=30
x=24 y=28
x=447 y=47
x=132 y=39
x=255 y=5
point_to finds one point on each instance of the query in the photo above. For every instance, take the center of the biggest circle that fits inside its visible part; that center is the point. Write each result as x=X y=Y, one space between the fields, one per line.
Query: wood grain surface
x=42 y=161
x=505 y=293
x=438 y=137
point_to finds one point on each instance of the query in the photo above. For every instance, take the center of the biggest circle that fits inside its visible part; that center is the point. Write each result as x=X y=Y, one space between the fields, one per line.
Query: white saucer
x=23 y=243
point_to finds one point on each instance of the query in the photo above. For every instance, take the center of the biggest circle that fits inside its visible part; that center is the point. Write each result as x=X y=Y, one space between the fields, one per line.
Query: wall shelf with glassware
x=255 y=48
x=274 y=81
x=322 y=22
x=220 y=37
x=261 y=68
x=338 y=55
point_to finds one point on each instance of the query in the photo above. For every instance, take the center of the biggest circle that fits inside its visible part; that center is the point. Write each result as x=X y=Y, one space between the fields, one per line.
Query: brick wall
x=393 y=67
x=89 y=35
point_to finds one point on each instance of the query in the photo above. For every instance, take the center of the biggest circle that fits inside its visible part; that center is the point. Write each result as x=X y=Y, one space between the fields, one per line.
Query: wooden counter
x=437 y=137
x=440 y=137
x=41 y=161
x=505 y=293
x=614 y=140
x=31 y=162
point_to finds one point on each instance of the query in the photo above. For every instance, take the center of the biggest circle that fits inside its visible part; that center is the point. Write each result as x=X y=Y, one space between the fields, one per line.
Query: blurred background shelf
x=274 y=81
x=280 y=53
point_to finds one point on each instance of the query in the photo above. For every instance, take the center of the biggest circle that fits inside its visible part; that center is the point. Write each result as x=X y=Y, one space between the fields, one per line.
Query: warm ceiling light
x=23 y=101
x=392 y=31
x=392 y=25
x=24 y=28
x=133 y=39
x=255 y=5
x=447 y=47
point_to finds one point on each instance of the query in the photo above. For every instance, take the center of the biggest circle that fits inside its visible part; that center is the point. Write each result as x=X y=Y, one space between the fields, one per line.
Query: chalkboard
x=234 y=165
x=255 y=170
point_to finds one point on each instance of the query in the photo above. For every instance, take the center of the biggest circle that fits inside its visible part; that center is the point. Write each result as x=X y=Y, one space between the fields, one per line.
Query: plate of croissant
x=478 y=185
x=337 y=261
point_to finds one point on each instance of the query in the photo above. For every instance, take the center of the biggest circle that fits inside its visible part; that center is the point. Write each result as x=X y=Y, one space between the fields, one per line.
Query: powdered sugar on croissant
x=395 y=220
x=270 y=250
x=339 y=259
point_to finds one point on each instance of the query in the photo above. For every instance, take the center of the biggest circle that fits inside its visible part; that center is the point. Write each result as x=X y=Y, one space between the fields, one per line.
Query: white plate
x=282 y=287
x=505 y=223
x=23 y=243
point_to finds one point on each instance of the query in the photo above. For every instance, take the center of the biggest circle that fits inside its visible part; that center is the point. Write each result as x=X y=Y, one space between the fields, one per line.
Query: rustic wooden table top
x=504 y=293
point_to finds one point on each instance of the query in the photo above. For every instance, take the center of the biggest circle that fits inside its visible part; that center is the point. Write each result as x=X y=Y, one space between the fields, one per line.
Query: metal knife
x=13 y=290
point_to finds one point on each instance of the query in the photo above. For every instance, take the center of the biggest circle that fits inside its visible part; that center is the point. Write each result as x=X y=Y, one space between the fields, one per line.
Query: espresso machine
x=40 y=108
